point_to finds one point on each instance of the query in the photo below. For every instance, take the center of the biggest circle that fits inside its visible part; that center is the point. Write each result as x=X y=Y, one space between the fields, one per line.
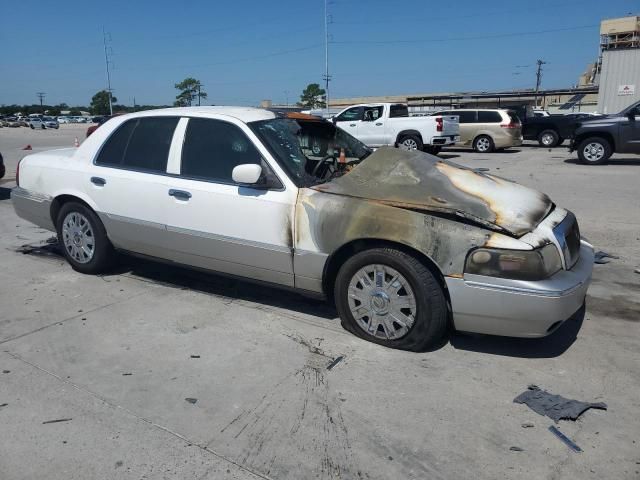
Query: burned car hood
x=422 y=182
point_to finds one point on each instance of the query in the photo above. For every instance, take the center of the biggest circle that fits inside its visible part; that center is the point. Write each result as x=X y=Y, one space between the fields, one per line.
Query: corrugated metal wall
x=619 y=67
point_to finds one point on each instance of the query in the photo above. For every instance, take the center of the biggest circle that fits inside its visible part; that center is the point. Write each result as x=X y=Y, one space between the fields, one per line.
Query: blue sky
x=247 y=50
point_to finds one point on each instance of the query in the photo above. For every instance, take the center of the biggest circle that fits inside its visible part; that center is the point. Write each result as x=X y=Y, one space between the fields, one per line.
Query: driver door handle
x=379 y=124
x=180 y=194
x=352 y=125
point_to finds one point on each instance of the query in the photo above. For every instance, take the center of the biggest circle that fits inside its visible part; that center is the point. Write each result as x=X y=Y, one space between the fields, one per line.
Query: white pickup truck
x=379 y=124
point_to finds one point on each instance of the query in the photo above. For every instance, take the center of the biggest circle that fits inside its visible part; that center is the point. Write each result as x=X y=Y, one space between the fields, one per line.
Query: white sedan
x=406 y=244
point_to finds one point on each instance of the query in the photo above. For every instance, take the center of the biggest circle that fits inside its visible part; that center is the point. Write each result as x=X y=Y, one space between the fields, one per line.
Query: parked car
x=63 y=119
x=24 y=121
x=597 y=138
x=389 y=124
x=50 y=122
x=402 y=241
x=487 y=130
x=36 y=123
x=12 y=122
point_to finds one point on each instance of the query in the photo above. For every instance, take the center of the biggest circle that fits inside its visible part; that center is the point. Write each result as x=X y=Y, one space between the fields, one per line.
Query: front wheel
x=83 y=239
x=594 y=151
x=483 y=144
x=391 y=298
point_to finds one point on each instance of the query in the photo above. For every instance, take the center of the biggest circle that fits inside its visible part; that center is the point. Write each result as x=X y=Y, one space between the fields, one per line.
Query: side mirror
x=247 y=174
x=334 y=120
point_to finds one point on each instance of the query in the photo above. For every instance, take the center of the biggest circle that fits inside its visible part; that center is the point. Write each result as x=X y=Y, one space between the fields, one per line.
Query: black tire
x=548 y=138
x=481 y=145
x=560 y=140
x=430 y=319
x=410 y=142
x=103 y=253
x=433 y=149
x=32 y=127
x=589 y=151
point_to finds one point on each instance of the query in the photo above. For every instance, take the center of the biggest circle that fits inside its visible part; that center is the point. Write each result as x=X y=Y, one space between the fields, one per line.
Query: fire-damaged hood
x=422 y=182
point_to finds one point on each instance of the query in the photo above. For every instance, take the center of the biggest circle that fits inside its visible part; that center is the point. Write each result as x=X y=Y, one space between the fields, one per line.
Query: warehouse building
x=608 y=85
x=619 y=82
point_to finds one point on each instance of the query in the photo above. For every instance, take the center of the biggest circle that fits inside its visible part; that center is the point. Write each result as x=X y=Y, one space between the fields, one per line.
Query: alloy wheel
x=593 y=152
x=409 y=144
x=483 y=144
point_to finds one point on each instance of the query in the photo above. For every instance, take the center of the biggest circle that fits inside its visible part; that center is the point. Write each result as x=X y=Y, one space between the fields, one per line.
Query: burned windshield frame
x=284 y=138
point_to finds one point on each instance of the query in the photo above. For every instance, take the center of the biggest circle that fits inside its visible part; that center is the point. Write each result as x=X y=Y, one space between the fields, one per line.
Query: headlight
x=516 y=264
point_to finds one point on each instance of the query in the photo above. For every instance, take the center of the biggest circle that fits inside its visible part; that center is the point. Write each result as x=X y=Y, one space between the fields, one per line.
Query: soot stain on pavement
x=618 y=306
x=300 y=417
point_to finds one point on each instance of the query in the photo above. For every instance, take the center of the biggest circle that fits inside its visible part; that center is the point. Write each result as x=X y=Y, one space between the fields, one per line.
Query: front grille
x=568 y=235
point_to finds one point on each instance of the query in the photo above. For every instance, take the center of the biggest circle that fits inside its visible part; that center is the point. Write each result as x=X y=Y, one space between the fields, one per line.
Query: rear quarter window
x=489 y=116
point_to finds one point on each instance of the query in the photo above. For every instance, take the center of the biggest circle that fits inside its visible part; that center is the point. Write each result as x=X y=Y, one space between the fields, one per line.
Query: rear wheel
x=483 y=144
x=548 y=138
x=594 y=151
x=410 y=142
x=388 y=297
x=83 y=239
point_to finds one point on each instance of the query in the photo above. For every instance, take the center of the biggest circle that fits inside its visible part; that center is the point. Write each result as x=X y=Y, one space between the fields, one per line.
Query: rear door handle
x=100 y=182
x=179 y=194
x=352 y=125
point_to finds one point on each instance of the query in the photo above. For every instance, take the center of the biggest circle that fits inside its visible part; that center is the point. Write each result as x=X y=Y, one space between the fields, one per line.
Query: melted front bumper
x=519 y=308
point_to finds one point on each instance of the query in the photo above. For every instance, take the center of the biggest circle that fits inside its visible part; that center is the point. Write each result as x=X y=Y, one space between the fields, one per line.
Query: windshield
x=311 y=151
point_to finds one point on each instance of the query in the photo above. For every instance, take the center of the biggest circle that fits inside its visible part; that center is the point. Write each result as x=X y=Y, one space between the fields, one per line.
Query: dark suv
x=596 y=140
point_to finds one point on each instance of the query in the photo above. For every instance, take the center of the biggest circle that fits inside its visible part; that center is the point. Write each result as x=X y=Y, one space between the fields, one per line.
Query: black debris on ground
x=195 y=356
x=6 y=371
x=603 y=257
x=57 y=420
x=2 y=405
x=127 y=374
x=570 y=443
x=553 y=406
x=516 y=449
x=528 y=425
x=191 y=400
x=335 y=362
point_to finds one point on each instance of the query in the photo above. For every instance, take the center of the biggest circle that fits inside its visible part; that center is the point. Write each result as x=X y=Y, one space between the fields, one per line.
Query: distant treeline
x=54 y=110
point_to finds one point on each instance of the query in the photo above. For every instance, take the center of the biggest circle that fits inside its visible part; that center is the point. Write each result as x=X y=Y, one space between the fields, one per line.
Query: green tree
x=313 y=97
x=190 y=89
x=100 y=103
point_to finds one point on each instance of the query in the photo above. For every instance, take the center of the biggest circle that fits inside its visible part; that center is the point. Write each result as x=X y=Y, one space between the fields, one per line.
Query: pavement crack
x=77 y=315
x=157 y=426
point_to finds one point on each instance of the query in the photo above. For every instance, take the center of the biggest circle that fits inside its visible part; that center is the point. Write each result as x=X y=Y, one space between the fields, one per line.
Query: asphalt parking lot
x=158 y=372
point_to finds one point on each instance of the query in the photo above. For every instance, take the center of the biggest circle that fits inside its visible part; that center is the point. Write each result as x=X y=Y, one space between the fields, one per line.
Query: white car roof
x=244 y=114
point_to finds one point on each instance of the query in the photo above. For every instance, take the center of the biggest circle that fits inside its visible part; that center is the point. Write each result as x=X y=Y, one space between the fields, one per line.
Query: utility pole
x=326 y=76
x=41 y=97
x=107 y=61
x=199 y=85
x=539 y=64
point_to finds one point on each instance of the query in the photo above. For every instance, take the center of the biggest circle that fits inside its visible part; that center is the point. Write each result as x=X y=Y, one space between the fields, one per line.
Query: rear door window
x=140 y=144
x=398 y=110
x=489 y=116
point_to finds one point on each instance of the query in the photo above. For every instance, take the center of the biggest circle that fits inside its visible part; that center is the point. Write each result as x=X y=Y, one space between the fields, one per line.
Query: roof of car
x=244 y=114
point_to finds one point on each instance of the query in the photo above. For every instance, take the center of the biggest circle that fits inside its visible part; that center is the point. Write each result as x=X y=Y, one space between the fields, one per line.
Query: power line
x=41 y=95
x=452 y=39
x=326 y=76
